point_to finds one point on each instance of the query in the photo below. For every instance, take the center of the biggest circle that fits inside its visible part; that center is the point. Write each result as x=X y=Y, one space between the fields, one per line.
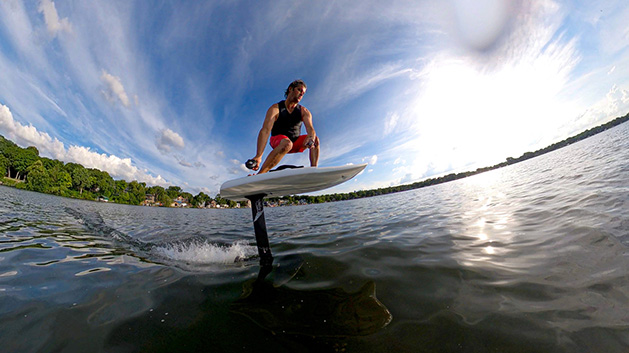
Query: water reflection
x=316 y=313
x=485 y=235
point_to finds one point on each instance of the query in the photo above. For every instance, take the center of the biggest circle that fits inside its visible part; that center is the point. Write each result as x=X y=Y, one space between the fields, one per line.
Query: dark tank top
x=288 y=124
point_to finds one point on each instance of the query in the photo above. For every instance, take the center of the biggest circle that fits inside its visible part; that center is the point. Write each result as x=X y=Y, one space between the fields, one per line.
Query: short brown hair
x=293 y=85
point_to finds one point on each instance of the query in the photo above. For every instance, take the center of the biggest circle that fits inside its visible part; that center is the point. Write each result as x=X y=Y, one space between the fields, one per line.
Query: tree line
x=25 y=169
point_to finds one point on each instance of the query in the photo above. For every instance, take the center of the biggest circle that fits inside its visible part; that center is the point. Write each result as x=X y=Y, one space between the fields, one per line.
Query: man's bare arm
x=306 y=117
x=271 y=115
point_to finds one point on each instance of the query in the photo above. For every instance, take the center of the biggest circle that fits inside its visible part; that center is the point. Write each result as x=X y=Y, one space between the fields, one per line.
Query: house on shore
x=180 y=202
x=150 y=200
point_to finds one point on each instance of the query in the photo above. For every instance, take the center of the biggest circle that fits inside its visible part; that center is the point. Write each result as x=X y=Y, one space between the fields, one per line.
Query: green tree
x=173 y=191
x=164 y=199
x=156 y=191
x=10 y=151
x=187 y=196
x=50 y=164
x=80 y=177
x=23 y=159
x=159 y=193
x=221 y=201
x=4 y=165
x=60 y=180
x=11 y=154
x=103 y=183
x=201 y=199
x=120 y=194
x=5 y=144
x=120 y=186
x=37 y=178
x=137 y=192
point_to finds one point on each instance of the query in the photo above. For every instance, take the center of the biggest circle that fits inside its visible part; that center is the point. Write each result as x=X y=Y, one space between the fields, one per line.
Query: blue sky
x=175 y=92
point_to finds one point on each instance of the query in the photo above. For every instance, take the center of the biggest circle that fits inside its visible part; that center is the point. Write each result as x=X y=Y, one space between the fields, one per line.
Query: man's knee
x=285 y=145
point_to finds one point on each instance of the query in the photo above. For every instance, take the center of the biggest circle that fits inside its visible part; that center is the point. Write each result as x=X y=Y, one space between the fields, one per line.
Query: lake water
x=528 y=258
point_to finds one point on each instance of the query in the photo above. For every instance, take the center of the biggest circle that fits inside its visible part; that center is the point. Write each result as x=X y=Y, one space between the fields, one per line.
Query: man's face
x=296 y=93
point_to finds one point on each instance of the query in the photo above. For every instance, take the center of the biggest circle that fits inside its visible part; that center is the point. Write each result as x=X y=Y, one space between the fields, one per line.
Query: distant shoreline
x=72 y=180
x=452 y=176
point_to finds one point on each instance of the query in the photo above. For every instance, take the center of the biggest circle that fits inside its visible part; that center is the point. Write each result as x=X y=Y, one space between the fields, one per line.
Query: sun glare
x=469 y=117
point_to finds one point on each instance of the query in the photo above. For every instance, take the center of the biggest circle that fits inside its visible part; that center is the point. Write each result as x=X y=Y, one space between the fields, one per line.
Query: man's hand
x=253 y=163
x=258 y=163
x=309 y=143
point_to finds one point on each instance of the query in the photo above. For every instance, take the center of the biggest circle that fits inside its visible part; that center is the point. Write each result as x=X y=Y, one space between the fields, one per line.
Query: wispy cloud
x=426 y=86
x=372 y=160
x=54 y=24
x=114 y=90
x=169 y=140
x=356 y=82
x=390 y=122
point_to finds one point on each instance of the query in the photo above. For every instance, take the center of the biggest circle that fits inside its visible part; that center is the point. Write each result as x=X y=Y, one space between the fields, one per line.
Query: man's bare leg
x=276 y=155
x=314 y=154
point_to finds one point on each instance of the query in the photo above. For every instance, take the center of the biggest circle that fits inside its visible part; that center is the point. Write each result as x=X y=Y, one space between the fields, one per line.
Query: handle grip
x=251 y=163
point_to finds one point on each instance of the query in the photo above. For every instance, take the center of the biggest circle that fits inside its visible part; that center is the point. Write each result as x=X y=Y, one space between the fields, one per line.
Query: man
x=283 y=123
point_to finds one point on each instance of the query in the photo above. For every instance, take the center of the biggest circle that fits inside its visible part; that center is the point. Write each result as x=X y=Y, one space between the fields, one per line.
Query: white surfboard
x=288 y=181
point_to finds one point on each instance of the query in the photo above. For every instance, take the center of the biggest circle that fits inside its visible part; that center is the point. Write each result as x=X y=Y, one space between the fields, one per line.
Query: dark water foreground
x=529 y=258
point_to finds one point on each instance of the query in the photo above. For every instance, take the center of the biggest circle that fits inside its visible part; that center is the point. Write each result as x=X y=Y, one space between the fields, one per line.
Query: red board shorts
x=298 y=145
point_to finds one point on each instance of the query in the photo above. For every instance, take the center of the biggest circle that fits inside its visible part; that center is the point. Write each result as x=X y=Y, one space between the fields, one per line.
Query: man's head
x=293 y=85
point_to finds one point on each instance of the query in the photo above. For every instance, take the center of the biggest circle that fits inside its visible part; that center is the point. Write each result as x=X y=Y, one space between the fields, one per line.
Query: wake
x=192 y=254
x=204 y=252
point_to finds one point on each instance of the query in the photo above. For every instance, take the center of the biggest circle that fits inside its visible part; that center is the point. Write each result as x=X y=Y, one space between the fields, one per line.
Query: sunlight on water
x=486 y=180
x=485 y=239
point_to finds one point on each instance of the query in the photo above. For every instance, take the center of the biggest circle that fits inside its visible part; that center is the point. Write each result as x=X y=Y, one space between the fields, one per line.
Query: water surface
x=528 y=258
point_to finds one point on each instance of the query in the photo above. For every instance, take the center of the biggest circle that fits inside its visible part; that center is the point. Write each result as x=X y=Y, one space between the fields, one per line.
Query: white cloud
x=169 y=140
x=618 y=98
x=183 y=162
x=115 y=166
x=28 y=135
x=54 y=24
x=390 y=122
x=371 y=160
x=614 y=104
x=119 y=168
x=361 y=81
x=115 y=89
